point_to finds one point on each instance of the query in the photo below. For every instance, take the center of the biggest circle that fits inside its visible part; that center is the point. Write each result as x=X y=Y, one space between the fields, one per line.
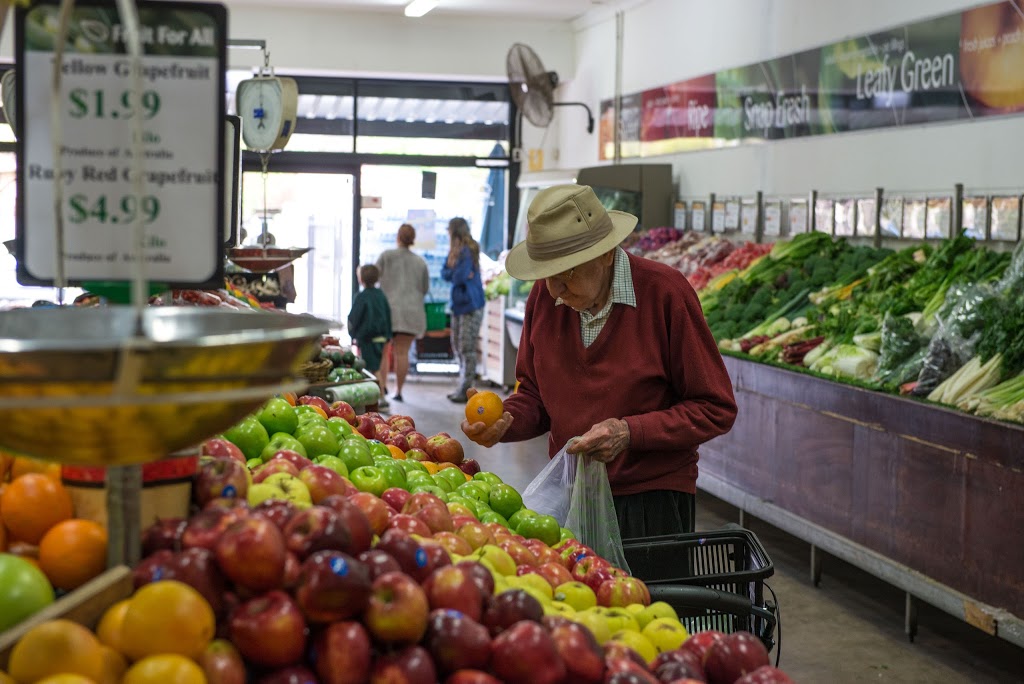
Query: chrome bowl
x=102 y=386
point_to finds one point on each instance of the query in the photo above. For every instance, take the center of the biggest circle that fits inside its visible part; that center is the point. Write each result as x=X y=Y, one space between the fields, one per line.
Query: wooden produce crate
x=84 y=605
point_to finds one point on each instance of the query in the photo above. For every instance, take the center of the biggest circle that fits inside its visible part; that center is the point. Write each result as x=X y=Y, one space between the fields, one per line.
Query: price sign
x=718 y=217
x=797 y=217
x=732 y=215
x=182 y=110
x=748 y=217
x=773 y=218
x=697 y=219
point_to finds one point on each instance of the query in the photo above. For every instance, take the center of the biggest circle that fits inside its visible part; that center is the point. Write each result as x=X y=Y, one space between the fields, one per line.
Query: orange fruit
x=431 y=467
x=73 y=552
x=320 y=411
x=109 y=628
x=396 y=452
x=446 y=466
x=167 y=617
x=67 y=679
x=114 y=666
x=32 y=504
x=56 y=647
x=23 y=465
x=290 y=397
x=484 y=407
x=166 y=668
x=468 y=477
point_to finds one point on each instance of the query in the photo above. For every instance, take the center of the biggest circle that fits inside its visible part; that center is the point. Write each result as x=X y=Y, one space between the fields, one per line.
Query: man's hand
x=604 y=441
x=483 y=435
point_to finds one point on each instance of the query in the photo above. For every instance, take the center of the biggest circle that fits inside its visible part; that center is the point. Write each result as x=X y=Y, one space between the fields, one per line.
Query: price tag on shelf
x=773 y=218
x=732 y=215
x=182 y=108
x=797 y=217
x=697 y=216
x=718 y=217
x=679 y=215
x=748 y=217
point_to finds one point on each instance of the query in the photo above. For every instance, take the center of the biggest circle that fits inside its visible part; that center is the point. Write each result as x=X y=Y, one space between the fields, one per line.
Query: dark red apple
x=381 y=431
x=252 y=554
x=379 y=562
x=510 y=607
x=152 y=568
x=322 y=482
x=342 y=654
x=292 y=571
x=411 y=665
x=701 y=642
x=410 y=524
x=579 y=650
x=222 y=663
x=165 y=533
x=205 y=528
x=366 y=427
x=222 y=447
x=479 y=574
x=317 y=528
x=353 y=518
x=374 y=508
x=437 y=558
x=220 y=477
x=396 y=498
x=445 y=449
x=294 y=457
x=269 y=630
x=733 y=656
x=296 y=674
x=457 y=642
x=526 y=654
x=398 y=610
x=437 y=519
x=765 y=675
x=240 y=506
x=332 y=586
x=679 y=655
x=309 y=400
x=675 y=670
x=272 y=467
x=632 y=676
x=454 y=588
x=471 y=677
x=277 y=511
x=398 y=440
x=470 y=467
x=198 y=568
x=618 y=655
x=406 y=550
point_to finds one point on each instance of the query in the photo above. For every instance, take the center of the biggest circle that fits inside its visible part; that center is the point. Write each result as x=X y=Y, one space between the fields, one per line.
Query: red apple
x=222 y=663
x=240 y=506
x=317 y=528
x=366 y=427
x=460 y=519
x=165 y=533
x=342 y=654
x=526 y=654
x=274 y=466
x=222 y=447
x=445 y=449
x=678 y=670
x=453 y=543
x=269 y=630
x=374 y=508
x=152 y=568
x=470 y=467
x=252 y=553
x=205 y=528
x=353 y=517
x=342 y=409
x=499 y=531
x=733 y=656
x=476 y=534
x=457 y=642
x=406 y=550
x=679 y=655
x=625 y=671
x=510 y=607
x=480 y=575
x=592 y=571
x=293 y=457
x=544 y=553
x=292 y=571
x=421 y=500
x=197 y=568
x=277 y=511
x=416 y=454
x=471 y=677
x=701 y=642
x=322 y=482
x=520 y=554
x=620 y=592
x=377 y=418
x=765 y=675
x=411 y=665
x=220 y=476
x=308 y=400
x=296 y=674
x=417 y=440
x=398 y=421
x=555 y=573
x=379 y=562
x=398 y=440
x=381 y=431
x=398 y=609
x=396 y=498
x=410 y=524
x=453 y=588
x=579 y=650
x=437 y=557
x=332 y=586
x=437 y=519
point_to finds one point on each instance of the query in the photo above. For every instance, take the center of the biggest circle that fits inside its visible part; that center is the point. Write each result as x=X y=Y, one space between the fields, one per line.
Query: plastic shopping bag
x=592 y=511
x=551 y=491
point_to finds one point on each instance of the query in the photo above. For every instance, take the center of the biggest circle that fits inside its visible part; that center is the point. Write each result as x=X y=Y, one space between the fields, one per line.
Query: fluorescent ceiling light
x=417 y=8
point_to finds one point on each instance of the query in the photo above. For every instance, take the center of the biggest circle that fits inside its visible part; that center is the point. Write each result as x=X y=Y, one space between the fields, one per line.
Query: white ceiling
x=557 y=10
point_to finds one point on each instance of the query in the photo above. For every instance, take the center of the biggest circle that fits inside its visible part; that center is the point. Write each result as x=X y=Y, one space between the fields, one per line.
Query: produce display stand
x=322 y=390
x=920 y=496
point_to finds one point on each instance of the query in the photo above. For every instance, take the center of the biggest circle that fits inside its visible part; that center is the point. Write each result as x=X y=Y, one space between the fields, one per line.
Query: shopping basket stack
x=714 y=579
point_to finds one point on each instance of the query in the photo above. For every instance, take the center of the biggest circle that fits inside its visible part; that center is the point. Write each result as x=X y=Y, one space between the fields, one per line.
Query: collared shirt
x=621 y=293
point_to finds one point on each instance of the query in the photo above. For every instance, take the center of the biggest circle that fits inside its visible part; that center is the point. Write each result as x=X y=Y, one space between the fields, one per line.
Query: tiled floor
x=850 y=629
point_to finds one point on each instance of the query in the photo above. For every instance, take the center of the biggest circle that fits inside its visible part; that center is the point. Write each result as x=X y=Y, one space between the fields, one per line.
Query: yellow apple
x=665 y=634
x=576 y=594
x=638 y=642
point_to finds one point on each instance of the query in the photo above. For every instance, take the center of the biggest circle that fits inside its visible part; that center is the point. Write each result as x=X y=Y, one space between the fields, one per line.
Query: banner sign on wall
x=960 y=66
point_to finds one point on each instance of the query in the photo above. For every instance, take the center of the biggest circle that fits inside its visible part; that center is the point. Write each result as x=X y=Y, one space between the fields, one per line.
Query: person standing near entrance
x=462 y=270
x=405 y=281
x=369 y=321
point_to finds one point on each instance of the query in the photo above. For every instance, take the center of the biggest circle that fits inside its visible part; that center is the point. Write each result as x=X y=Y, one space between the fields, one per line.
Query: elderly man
x=615 y=351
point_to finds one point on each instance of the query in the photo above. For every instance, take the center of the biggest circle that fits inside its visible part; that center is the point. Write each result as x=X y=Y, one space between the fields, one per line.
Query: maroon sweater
x=656 y=366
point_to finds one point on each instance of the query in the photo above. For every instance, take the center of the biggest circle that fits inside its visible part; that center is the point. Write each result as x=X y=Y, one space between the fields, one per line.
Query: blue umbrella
x=492 y=235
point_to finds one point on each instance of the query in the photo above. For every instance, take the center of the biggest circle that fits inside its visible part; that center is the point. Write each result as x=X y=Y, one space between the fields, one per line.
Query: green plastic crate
x=437 y=318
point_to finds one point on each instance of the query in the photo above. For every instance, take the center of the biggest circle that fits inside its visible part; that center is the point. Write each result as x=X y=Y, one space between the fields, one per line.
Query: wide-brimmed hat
x=568 y=226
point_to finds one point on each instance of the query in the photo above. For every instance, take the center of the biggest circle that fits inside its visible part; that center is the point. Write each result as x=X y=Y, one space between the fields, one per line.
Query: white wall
x=672 y=40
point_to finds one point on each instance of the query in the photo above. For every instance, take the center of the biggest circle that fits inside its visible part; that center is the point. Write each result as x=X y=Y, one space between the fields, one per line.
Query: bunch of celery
x=1004 y=401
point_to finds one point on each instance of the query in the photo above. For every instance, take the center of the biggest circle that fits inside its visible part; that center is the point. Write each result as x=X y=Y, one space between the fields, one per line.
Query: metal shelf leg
x=910 y=617
x=742 y=518
x=815 y=565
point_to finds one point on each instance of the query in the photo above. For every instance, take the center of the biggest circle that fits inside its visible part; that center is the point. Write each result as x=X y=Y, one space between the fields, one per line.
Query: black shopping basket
x=714 y=579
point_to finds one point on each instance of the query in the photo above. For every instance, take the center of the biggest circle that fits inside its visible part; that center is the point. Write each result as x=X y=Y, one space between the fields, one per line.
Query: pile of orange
x=154 y=637
x=37 y=523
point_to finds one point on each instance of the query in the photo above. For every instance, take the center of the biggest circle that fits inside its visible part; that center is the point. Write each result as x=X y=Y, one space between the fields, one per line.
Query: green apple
x=370 y=479
x=489 y=478
x=249 y=435
x=378 y=448
x=332 y=462
x=543 y=527
x=443 y=484
x=410 y=466
x=416 y=478
x=567 y=534
x=383 y=460
x=355 y=454
x=254 y=463
x=277 y=415
x=306 y=417
x=491 y=516
x=473 y=490
x=518 y=517
x=317 y=439
x=453 y=476
x=395 y=475
x=282 y=440
x=472 y=504
x=433 y=489
x=340 y=428
x=504 y=500
x=281 y=486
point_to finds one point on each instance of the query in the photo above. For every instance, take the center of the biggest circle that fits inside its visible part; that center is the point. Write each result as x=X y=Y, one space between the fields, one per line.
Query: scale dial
x=268 y=107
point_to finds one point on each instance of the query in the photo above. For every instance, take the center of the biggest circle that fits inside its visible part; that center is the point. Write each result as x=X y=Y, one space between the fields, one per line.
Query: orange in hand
x=484 y=407
x=32 y=504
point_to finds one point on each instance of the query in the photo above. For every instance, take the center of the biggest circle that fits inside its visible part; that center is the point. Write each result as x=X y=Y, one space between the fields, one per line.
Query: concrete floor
x=849 y=629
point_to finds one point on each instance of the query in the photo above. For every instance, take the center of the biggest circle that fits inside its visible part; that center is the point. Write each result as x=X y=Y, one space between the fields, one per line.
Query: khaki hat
x=568 y=226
